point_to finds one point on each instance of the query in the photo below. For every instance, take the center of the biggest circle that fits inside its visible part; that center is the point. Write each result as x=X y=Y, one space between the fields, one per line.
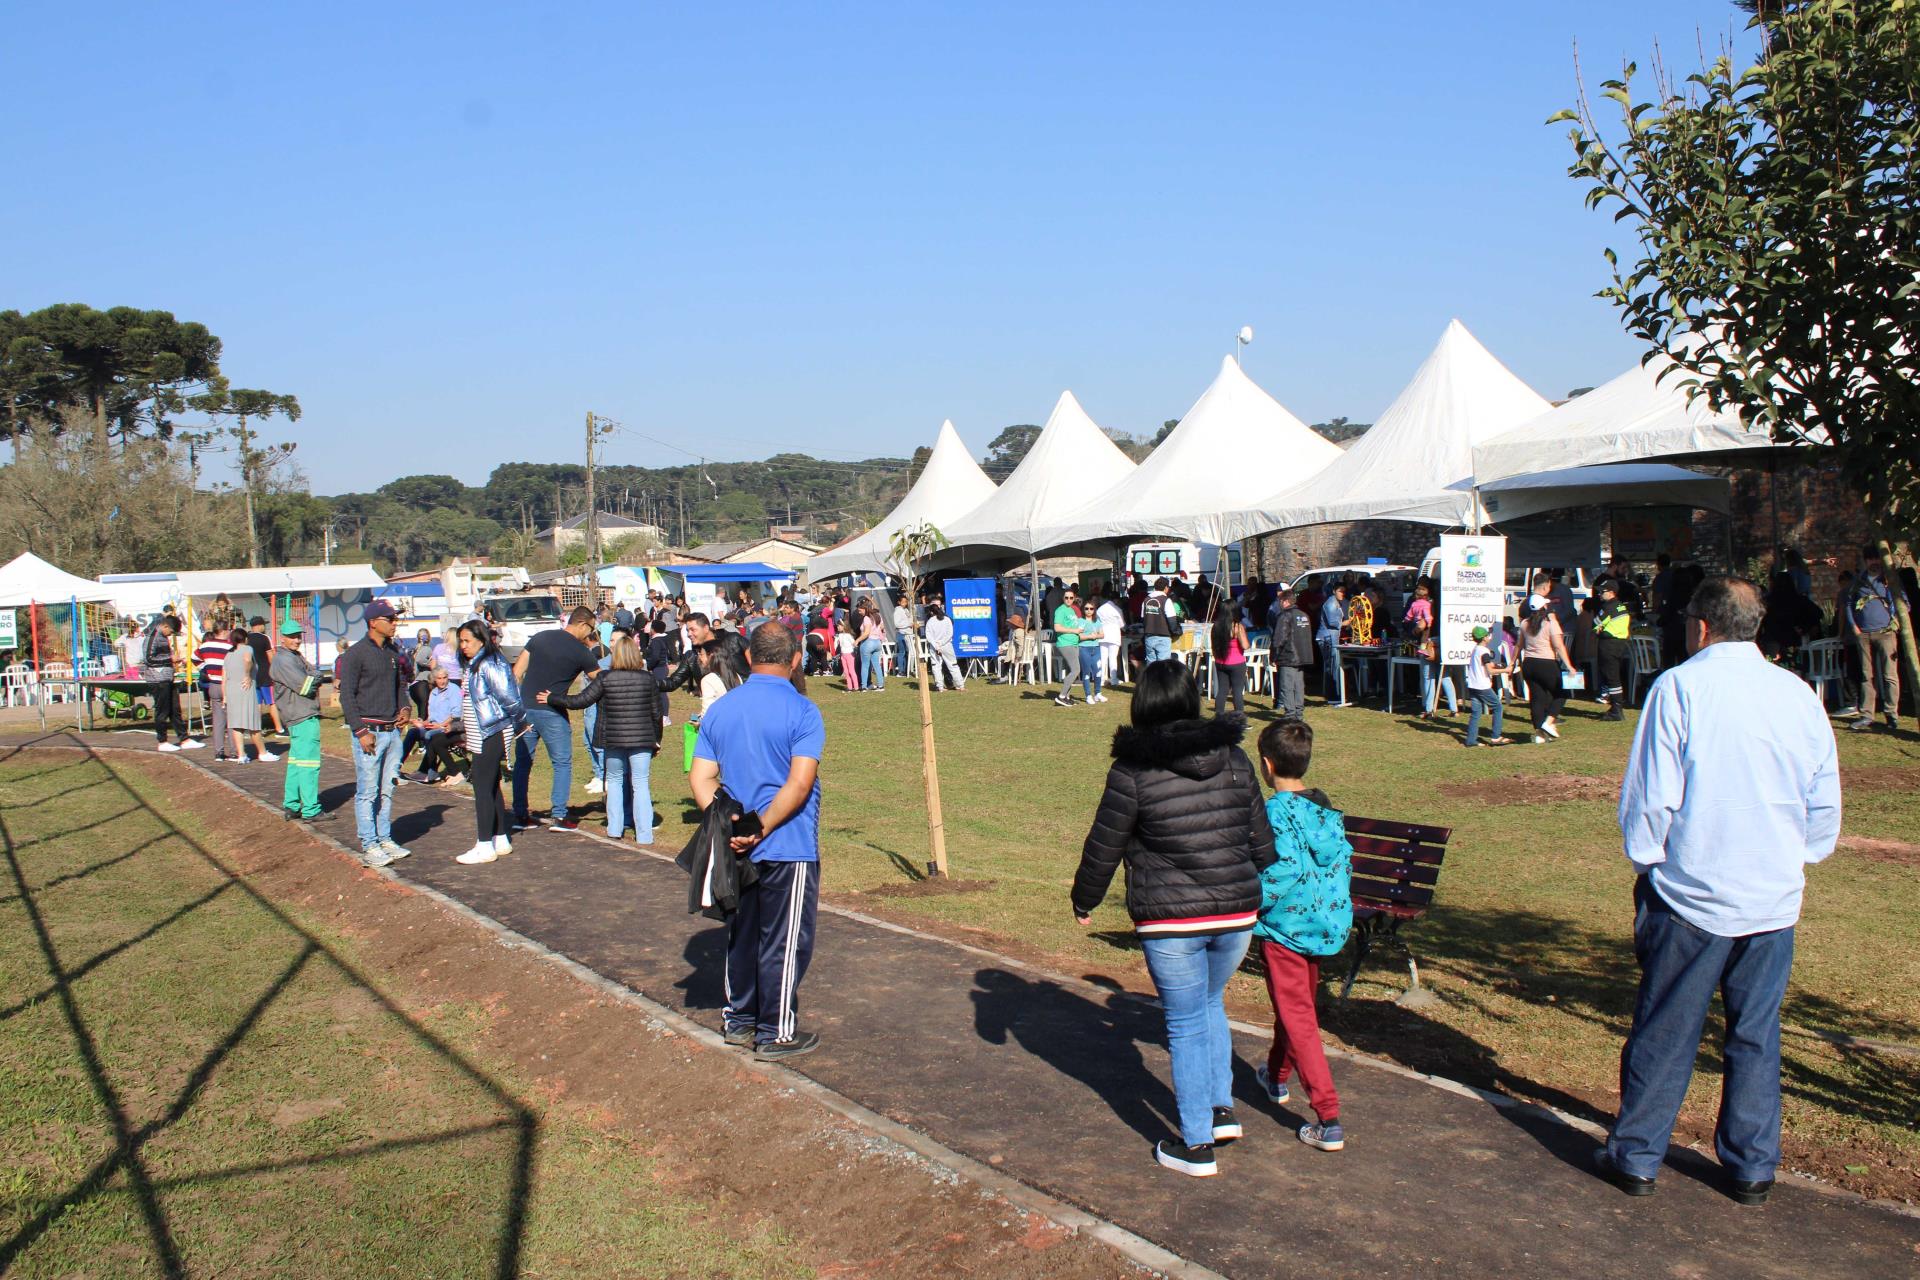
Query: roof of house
x=723 y=550
x=608 y=520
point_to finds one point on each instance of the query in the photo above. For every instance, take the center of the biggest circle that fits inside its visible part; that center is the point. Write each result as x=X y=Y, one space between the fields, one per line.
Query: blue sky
x=453 y=229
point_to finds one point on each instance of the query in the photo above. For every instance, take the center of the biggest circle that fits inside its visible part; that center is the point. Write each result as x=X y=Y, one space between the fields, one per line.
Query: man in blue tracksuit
x=1333 y=615
x=763 y=742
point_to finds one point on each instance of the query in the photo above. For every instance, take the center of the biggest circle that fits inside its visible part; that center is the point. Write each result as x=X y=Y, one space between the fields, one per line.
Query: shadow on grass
x=126 y=1162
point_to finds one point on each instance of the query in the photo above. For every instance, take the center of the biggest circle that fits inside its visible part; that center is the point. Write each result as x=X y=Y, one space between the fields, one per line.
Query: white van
x=1167 y=559
x=519 y=618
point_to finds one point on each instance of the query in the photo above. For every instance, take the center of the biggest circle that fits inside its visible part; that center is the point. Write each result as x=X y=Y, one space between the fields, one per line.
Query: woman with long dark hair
x=1183 y=810
x=491 y=715
x=1230 y=645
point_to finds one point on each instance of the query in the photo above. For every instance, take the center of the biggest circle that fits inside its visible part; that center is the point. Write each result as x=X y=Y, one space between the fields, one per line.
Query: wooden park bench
x=1395 y=866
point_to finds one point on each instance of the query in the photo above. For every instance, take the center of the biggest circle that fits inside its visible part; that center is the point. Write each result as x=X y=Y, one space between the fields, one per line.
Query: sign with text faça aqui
x=974 y=606
x=1473 y=577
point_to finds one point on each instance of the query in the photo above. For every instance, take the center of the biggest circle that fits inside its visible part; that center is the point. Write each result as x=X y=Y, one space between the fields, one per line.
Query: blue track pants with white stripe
x=769 y=942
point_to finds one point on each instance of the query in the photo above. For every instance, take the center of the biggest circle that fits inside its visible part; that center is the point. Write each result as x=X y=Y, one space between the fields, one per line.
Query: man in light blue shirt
x=1333 y=615
x=1732 y=787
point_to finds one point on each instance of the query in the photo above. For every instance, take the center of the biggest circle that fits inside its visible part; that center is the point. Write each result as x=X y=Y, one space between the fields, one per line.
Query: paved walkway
x=1065 y=1086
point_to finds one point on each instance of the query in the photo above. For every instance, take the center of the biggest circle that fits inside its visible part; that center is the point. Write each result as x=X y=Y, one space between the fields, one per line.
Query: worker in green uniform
x=1611 y=627
x=296 y=691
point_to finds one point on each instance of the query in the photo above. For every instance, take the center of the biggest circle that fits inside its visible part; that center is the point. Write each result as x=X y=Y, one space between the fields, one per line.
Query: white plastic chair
x=1826 y=665
x=16 y=685
x=56 y=682
x=1643 y=663
x=1259 y=668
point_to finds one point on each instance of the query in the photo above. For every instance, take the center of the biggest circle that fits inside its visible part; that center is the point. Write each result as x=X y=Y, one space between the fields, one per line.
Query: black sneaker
x=1225 y=1128
x=740 y=1037
x=1632 y=1184
x=792 y=1047
x=1195 y=1162
x=1750 y=1193
x=291 y=815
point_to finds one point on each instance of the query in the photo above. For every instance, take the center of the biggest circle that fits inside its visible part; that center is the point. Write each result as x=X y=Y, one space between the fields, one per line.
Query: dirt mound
x=1899 y=852
x=1535 y=788
x=930 y=888
x=1882 y=777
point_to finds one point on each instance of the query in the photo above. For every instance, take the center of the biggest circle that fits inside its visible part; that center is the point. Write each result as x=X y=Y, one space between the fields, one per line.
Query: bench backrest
x=1395 y=864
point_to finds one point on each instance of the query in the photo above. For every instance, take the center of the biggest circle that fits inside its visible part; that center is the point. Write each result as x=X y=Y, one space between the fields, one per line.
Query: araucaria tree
x=1776 y=211
x=906 y=550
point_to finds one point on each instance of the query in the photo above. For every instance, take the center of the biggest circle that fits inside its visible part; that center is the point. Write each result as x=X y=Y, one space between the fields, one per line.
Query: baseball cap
x=1536 y=601
x=381 y=609
x=1480 y=633
x=291 y=627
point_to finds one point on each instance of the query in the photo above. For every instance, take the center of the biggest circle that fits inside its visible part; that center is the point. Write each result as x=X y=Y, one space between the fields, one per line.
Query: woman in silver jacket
x=491 y=714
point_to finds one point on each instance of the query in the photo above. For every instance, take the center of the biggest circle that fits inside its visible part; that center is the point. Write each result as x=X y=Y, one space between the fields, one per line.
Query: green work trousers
x=302 y=798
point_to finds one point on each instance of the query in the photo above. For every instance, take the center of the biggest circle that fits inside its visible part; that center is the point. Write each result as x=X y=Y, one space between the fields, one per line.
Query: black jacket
x=718 y=873
x=687 y=674
x=1183 y=809
x=1292 y=644
x=372 y=684
x=629 y=718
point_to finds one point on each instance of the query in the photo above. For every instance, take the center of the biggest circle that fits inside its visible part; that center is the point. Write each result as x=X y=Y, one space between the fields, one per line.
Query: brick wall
x=1282 y=556
x=1803 y=506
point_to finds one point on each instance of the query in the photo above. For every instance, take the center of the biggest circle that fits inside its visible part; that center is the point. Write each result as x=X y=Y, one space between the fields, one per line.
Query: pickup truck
x=516 y=619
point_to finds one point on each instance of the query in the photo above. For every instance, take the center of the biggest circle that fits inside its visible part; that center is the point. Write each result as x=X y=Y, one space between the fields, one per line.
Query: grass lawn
x=1528 y=945
x=193 y=1083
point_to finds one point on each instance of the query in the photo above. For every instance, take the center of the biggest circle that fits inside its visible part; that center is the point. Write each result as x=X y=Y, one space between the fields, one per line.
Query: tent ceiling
x=27 y=579
x=1236 y=445
x=950 y=485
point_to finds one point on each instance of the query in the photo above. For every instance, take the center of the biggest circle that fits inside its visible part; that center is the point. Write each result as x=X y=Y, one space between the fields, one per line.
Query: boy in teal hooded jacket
x=1306 y=912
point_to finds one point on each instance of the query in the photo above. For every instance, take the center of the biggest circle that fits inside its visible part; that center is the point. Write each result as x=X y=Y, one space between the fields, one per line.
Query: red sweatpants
x=1293 y=982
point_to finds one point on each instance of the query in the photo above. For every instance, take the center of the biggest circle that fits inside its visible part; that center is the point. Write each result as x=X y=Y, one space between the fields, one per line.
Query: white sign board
x=1473 y=577
x=9 y=630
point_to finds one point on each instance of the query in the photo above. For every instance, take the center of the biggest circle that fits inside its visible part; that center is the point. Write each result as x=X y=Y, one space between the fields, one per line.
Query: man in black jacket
x=374 y=704
x=1291 y=652
x=700 y=631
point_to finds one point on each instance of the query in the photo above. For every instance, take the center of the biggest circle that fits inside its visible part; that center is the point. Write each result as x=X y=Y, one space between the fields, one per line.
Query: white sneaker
x=267 y=757
x=168 y=746
x=596 y=787
x=395 y=851
x=192 y=744
x=502 y=845
x=1551 y=729
x=479 y=853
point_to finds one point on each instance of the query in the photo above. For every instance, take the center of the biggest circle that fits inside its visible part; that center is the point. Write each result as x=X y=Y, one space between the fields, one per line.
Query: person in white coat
x=1112 y=624
x=946 y=663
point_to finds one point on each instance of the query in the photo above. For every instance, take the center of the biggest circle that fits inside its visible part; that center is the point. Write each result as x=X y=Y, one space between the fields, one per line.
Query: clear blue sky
x=452 y=229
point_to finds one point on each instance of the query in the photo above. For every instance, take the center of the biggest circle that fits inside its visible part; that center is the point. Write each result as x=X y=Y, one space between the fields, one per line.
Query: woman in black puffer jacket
x=627 y=730
x=1184 y=811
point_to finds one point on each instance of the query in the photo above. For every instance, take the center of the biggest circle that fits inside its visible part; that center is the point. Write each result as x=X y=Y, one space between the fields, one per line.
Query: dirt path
x=1063 y=1084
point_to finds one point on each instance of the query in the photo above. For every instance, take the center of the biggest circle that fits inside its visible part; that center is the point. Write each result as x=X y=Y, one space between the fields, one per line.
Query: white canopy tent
x=1644 y=413
x=1236 y=445
x=1416 y=462
x=950 y=485
x=1071 y=459
x=27 y=579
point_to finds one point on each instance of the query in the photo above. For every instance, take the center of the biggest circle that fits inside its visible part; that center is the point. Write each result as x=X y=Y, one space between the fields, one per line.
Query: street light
x=1242 y=339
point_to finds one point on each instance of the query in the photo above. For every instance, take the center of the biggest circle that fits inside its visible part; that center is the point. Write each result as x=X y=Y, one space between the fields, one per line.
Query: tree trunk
x=246 y=483
x=930 y=767
x=1897 y=559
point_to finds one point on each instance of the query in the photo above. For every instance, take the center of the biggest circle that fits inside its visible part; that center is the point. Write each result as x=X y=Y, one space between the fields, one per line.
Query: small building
x=329 y=600
x=790 y=554
x=571 y=533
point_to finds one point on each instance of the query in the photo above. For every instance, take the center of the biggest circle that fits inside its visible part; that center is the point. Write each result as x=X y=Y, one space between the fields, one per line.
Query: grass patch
x=193 y=1083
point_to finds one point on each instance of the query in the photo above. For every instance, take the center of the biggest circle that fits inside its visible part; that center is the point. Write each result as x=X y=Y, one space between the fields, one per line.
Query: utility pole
x=597 y=426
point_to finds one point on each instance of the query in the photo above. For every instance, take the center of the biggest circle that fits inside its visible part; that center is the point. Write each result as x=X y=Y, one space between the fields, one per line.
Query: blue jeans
x=1680 y=969
x=904 y=653
x=373 y=775
x=1430 y=675
x=873 y=672
x=1487 y=700
x=556 y=735
x=1191 y=975
x=1090 y=670
x=1332 y=683
x=1159 y=648
x=588 y=719
x=629 y=795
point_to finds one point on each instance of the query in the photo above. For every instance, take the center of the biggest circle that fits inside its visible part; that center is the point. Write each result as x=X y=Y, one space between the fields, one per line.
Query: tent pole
x=79 y=634
x=40 y=690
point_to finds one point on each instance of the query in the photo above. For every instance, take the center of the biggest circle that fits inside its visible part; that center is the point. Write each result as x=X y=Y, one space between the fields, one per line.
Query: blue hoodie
x=1306 y=896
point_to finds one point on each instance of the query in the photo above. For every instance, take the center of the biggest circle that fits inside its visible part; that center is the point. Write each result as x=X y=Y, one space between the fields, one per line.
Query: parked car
x=1394 y=580
x=516 y=619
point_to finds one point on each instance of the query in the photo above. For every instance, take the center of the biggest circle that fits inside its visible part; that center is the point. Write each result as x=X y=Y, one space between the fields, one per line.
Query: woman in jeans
x=873 y=634
x=1230 y=645
x=1423 y=631
x=490 y=716
x=1543 y=656
x=1183 y=810
x=626 y=732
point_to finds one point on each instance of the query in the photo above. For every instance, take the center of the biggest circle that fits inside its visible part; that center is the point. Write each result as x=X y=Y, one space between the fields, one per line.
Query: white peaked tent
x=1236 y=445
x=27 y=579
x=950 y=485
x=1646 y=412
x=1416 y=462
x=1071 y=460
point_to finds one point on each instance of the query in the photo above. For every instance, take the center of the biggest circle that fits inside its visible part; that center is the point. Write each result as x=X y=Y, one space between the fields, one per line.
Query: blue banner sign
x=974 y=606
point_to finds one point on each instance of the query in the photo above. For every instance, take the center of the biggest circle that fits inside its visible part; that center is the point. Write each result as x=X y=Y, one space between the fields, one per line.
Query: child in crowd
x=1485 y=666
x=845 y=645
x=1306 y=912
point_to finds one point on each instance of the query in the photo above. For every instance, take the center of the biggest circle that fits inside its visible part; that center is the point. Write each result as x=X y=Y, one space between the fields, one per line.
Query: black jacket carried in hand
x=1184 y=811
x=629 y=717
x=718 y=873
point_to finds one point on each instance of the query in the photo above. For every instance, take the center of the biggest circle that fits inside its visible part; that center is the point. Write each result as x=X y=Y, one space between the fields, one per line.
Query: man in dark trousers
x=763 y=741
x=373 y=702
x=1291 y=652
x=1612 y=627
x=549 y=664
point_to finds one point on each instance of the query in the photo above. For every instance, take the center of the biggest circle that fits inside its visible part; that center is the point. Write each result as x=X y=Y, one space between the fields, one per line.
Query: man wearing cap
x=373 y=702
x=1611 y=627
x=296 y=691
